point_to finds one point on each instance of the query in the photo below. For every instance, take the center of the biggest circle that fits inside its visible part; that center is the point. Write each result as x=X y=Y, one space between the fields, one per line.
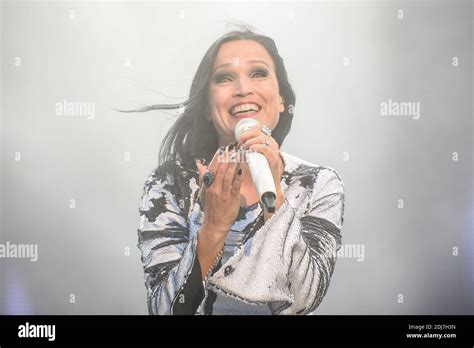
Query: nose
x=242 y=88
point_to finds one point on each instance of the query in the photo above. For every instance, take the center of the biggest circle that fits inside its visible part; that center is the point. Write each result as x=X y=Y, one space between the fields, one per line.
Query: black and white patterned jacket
x=286 y=264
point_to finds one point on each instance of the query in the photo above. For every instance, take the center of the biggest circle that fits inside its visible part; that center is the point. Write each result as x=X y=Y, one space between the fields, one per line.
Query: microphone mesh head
x=244 y=125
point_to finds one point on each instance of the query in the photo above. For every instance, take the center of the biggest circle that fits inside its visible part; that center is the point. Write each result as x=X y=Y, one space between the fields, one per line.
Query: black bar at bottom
x=430 y=331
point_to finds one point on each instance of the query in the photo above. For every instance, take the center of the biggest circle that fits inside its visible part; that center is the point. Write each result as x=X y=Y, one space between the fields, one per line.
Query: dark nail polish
x=239 y=172
x=230 y=147
x=221 y=150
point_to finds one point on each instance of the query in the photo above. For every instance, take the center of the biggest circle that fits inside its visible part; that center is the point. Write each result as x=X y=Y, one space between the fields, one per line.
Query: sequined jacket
x=286 y=264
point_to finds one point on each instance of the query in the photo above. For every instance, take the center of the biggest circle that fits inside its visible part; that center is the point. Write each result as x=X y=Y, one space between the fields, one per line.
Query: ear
x=282 y=105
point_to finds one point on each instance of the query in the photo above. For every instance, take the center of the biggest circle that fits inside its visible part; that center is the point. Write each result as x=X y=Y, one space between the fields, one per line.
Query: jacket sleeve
x=289 y=261
x=168 y=251
x=315 y=252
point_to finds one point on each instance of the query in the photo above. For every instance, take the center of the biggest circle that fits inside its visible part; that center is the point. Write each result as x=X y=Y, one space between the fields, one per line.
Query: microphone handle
x=263 y=179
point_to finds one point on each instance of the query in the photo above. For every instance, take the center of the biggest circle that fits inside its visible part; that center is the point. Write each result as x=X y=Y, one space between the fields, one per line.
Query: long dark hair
x=192 y=135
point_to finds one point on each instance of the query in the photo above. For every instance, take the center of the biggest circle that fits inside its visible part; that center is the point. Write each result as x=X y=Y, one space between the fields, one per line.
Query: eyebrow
x=250 y=61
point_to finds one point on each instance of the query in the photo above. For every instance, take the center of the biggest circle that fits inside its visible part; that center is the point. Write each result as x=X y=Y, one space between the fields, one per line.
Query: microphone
x=259 y=168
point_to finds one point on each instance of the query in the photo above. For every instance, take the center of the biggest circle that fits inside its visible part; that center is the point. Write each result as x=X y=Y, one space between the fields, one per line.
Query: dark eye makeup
x=261 y=72
x=223 y=77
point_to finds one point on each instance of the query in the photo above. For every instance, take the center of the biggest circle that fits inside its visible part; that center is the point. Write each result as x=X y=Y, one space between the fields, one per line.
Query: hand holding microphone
x=220 y=184
x=265 y=162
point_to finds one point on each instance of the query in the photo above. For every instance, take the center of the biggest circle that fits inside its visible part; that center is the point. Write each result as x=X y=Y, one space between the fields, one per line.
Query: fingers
x=236 y=184
x=251 y=133
x=270 y=154
x=218 y=177
x=201 y=170
x=223 y=168
x=273 y=156
x=229 y=176
x=212 y=167
x=215 y=162
x=260 y=139
x=256 y=136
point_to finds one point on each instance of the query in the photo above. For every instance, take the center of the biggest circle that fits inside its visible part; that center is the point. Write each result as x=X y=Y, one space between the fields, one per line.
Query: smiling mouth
x=244 y=109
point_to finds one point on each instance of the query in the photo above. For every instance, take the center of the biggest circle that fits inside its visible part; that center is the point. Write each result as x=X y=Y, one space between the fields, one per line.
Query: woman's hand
x=254 y=139
x=221 y=200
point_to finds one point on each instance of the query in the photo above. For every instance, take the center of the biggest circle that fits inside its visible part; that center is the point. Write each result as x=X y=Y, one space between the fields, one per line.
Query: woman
x=211 y=247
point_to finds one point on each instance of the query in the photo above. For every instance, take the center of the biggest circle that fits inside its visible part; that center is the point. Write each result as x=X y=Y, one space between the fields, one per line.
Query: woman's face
x=243 y=84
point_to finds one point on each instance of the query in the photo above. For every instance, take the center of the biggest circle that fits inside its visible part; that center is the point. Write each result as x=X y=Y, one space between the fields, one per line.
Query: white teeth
x=244 y=107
